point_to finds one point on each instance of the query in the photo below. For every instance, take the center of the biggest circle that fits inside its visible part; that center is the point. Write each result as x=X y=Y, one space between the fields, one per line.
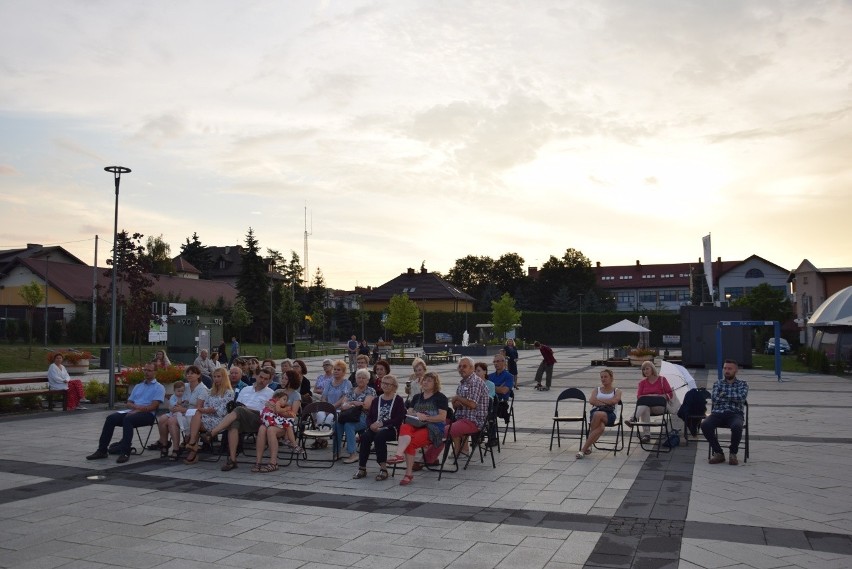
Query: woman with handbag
x=652 y=383
x=602 y=415
x=383 y=422
x=424 y=424
x=353 y=414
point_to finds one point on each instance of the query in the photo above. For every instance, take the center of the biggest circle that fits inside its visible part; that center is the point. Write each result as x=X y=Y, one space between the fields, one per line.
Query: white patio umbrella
x=623 y=326
x=679 y=378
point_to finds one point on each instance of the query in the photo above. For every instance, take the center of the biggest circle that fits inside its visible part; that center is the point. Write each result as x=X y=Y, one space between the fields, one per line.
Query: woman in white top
x=58 y=378
x=604 y=399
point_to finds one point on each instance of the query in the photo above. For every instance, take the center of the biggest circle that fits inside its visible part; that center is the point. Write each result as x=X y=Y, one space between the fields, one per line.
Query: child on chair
x=277 y=421
x=178 y=400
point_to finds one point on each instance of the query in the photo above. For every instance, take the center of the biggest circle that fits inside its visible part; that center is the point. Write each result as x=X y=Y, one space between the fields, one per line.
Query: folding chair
x=652 y=401
x=744 y=441
x=310 y=430
x=572 y=393
x=618 y=444
x=510 y=419
x=486 y=439
x=142 y=445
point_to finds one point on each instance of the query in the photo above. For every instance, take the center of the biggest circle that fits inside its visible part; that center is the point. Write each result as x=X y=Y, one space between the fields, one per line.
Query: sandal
x=579 y=456
x=175 y=456
x=362 y=473
x=269 y=467
x=382 y=475
x=406 y=480
x=159 y=446
x=229 y=465
x=257 y=467
x=192 y=458
x=396 y=459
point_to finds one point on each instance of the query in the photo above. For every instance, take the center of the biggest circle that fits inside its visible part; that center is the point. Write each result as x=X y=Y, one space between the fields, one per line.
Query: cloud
x=159 y=129
x=7 y=170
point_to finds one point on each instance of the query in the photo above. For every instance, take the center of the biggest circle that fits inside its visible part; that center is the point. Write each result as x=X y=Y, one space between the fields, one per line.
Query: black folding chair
x=310 y=430
x=575 y=395
x=662 y=425
x=693 y=419
x=618 y=443
x=510 y=418
x=487 y=439
x=142 y=445
x=744 y=442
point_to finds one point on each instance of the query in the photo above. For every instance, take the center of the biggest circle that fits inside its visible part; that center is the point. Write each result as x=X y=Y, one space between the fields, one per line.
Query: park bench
x=43 y=389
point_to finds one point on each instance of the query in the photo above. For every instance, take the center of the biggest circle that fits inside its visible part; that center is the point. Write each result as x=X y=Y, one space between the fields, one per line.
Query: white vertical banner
x=708 y=264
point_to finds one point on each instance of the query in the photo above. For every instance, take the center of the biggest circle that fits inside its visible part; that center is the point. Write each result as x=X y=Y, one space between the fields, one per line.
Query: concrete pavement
x=789 y=506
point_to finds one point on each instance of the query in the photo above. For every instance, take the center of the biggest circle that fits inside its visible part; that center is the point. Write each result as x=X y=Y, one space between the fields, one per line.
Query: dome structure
x=832 y=327
x=836 y=307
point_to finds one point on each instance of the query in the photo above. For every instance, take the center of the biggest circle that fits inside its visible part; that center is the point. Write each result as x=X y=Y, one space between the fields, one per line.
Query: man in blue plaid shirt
x=729 y=395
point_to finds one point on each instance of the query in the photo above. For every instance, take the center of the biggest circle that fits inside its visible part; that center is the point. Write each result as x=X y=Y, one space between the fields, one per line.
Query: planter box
x=80 y=368
x=639 y=360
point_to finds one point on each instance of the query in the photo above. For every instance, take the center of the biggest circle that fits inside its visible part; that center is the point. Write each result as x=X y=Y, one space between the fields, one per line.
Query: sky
x=414 y=133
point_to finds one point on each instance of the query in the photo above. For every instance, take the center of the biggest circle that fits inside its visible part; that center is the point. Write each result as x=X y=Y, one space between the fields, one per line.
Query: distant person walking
x=235 y=350
x=545 y=367
x=352 y=347
x=512 y=360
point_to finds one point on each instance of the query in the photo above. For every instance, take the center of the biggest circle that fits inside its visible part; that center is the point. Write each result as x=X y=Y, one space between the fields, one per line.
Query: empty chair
x=576 y=401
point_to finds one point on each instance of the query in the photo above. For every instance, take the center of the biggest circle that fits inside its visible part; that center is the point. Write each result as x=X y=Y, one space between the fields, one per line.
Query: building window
x=647 y=297
x=754 y=274
x=735 y=292
x=667 y=295
x=624 y=297
x=804 y=280
x=683 y=296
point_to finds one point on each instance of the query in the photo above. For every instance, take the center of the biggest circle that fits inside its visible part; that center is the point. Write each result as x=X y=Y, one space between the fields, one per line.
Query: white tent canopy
x=836 y=307
x=625 y=326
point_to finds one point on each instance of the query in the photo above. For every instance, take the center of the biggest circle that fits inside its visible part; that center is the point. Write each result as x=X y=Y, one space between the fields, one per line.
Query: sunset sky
x=426 y=131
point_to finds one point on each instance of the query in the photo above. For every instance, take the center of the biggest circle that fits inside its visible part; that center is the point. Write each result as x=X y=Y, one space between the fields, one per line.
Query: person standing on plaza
x=729 y=396
x=223 y=354
x=511 y=353
x=352 y=347
x=141 y=411
x=545 y=368
x=235 y=350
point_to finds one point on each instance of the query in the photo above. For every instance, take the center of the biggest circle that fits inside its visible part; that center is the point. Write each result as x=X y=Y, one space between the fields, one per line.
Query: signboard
x=671 y=339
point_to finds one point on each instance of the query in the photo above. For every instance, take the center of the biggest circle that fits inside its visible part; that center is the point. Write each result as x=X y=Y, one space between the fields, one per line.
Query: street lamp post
x=116 y=171
x=46 y=288
x=270 y=318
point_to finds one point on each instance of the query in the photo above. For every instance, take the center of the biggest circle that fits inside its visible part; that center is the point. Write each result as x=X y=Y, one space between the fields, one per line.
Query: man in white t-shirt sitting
x=245 y=418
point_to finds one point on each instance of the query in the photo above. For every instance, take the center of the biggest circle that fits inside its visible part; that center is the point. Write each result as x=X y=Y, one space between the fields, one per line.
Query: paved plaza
x=790 y=505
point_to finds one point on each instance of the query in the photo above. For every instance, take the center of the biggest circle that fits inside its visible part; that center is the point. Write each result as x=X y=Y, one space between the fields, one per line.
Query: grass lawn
x=789 y=363
x=14 y=358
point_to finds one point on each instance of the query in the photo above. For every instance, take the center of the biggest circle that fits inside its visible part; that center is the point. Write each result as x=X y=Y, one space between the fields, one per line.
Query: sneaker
x=81 y=408
x=123 y=458
x=97 y=455
x=84 y=401
x=717 y=458
x=580 y=456
x=646 y=439
x=732 y=460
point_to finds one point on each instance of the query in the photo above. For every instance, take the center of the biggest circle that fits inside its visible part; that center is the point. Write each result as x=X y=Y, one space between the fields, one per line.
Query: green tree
x=158 y=256
x=241 y=318
x=472 y=274
x=508 y=274
x=766 y=303
x=197 y=254
x=504 y=315
x=403 y=316
x=134 y=283
x=253 y=285
x=32 y=295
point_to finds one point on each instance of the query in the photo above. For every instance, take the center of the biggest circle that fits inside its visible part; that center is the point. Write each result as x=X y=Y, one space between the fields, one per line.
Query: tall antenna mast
x=307 y=268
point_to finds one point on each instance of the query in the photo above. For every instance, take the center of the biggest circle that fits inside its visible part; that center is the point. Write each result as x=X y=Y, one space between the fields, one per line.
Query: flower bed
x=166 y=376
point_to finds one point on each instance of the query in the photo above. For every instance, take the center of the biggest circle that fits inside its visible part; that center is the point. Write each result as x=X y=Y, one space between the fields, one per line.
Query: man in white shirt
x=245 y=418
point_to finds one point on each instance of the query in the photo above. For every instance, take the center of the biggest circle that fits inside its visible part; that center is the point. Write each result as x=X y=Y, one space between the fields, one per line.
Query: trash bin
x=103 y=358
x=291 y=350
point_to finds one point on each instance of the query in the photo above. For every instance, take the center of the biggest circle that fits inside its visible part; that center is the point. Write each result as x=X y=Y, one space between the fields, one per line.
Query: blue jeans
x=128 y=422
x=349 y=429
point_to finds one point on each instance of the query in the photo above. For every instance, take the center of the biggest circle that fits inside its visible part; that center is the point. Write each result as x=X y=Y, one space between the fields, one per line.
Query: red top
x=659 y=387
x=547 y=354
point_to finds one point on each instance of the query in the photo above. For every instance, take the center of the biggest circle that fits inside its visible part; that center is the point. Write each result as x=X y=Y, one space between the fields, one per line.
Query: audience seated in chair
x=729 y=395
x=602 y=414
